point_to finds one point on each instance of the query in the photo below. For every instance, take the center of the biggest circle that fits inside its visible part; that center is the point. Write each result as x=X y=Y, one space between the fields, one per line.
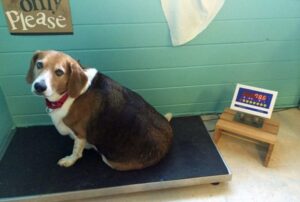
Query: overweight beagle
x=99 y=113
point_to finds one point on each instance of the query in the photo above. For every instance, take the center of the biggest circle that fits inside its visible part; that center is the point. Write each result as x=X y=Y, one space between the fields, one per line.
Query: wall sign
x=255 y=101
x=38 y=16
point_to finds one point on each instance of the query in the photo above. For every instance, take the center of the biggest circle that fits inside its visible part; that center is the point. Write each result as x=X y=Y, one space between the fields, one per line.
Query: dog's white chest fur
x=58 y=115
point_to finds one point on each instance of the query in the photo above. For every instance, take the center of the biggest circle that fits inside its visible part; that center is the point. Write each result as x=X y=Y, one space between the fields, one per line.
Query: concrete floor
x=251 y=180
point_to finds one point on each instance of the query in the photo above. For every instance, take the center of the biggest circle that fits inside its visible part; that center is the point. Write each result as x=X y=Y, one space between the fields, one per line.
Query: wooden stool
x=266 y=134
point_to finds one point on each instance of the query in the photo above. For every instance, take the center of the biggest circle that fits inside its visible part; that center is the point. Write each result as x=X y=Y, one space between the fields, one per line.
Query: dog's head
x=54 y=73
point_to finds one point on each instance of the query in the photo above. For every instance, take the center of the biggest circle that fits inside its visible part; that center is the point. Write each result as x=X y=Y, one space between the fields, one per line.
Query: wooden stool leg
x=217 y=135
x=269 y=154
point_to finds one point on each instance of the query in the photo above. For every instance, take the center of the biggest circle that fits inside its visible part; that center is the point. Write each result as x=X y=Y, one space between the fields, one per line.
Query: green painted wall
x=6 y=124
x=251 y=42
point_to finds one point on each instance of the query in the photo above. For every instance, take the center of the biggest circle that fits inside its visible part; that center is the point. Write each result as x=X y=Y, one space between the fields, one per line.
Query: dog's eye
x=59 y=72
x=39 y=65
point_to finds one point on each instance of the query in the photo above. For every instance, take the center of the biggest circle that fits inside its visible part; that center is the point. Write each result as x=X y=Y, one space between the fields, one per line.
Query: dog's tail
x=168 y=116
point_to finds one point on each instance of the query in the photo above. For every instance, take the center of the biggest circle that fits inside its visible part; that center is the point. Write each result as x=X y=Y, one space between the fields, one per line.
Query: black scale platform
x=29 y=168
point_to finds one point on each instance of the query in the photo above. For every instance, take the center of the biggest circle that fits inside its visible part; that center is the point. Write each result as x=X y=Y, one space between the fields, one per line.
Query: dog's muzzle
x=40 y=86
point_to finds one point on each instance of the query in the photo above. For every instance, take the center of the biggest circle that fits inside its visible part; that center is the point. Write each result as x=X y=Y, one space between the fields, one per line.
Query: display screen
x=253 y=100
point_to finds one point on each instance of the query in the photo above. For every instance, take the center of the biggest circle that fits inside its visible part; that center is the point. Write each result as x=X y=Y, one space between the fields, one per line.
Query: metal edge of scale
x=125 y=189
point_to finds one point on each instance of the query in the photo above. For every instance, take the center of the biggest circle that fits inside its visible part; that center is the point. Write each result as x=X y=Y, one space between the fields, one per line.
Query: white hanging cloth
x=188 y=18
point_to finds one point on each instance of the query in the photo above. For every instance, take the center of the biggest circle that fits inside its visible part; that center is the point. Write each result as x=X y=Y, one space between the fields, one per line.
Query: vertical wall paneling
x=6 y=125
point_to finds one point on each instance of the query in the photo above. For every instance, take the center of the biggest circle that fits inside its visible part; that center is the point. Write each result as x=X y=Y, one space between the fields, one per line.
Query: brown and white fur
x=99 y=113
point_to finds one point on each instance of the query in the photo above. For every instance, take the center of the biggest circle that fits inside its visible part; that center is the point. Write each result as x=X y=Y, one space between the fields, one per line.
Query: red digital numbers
x=256 y=96
x=249 y=95
x=260 y=96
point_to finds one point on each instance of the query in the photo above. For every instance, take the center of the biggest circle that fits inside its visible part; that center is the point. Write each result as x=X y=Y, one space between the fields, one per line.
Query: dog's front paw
x=67 y=161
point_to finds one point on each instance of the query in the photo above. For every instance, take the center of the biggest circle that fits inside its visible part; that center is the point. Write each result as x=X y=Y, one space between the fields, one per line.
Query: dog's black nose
x=40 y=86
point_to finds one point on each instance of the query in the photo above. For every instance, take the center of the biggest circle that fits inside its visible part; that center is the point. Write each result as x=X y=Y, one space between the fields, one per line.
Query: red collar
x=57 y=104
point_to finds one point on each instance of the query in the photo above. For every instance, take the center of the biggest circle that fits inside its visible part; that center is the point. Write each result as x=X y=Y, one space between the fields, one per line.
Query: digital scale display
x=252 y=100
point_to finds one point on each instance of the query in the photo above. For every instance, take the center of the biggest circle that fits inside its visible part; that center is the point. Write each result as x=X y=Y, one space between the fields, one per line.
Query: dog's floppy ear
x=30 y=74
x=77 y=80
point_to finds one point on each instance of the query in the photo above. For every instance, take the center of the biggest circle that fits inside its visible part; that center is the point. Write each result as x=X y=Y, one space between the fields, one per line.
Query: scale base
x=90 y=177
x=249 y=119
